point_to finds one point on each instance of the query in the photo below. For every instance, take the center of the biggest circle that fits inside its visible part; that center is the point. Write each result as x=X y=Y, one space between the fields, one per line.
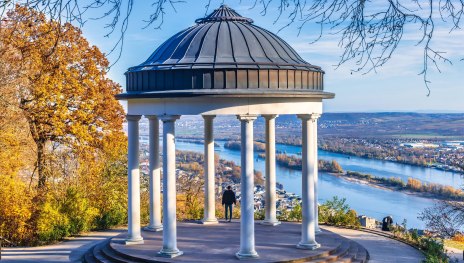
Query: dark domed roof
x=223 y=51
x=225 y=39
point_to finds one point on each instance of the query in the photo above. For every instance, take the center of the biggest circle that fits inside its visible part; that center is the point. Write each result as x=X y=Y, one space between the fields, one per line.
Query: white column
x=209 y=173
x=133 y=228
x=154 y=175
x=314 y=118
x=308 y=235
x=270 y=191
x=247 y=223
x=169 y=188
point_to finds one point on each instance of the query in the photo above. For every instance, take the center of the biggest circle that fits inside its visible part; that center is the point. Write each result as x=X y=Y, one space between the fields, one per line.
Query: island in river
x=415 y=186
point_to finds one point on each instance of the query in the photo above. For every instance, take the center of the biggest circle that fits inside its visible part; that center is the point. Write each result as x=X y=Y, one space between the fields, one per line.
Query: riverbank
x=260 y=147
x=386 y=187
x=412 y=186
x=434 y=157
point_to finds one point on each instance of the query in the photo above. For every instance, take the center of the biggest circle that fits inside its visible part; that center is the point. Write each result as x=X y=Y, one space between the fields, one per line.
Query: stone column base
x=138 y=241
x=209 y=221
x=308 y=246
x=153 y=228
x=167 y=253
x=270 y=222
x=245 y=256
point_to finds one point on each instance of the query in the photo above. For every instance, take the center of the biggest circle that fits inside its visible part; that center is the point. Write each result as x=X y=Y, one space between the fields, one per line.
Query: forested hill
x=393 y=123
x=382 y=124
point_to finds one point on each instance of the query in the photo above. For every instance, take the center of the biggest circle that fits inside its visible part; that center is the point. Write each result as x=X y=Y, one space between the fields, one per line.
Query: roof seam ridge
x=279 y=42
x=257 y=40
x=155 y=56
x=231 y=42
x=216 y=44
x=194 y=30
x=197 y=56
x=178 y=36
x=201 y=27
x=246 y=43
x=272 y=45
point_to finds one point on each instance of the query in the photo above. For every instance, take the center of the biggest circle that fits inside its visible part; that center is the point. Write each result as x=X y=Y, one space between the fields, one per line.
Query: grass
x=454 y=244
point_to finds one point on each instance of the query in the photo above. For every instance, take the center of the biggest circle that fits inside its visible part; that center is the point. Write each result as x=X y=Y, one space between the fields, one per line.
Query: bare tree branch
x=446 y=218
x=369 y=31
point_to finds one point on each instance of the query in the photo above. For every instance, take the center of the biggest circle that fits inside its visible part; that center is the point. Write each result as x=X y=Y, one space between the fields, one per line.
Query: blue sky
x=394 y=87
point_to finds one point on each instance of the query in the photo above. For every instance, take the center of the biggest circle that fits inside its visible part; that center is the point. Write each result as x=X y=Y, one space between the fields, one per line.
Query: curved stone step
x=98 y=255
x=348 y=251
x=88 y=256
x=110 y=254
x=362 y=256
x=357 y=253
x=275 y=244
x=354 y=253
x=336 y=255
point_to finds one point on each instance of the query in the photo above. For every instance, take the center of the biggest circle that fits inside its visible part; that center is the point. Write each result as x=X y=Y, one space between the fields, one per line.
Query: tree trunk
x=41 y=165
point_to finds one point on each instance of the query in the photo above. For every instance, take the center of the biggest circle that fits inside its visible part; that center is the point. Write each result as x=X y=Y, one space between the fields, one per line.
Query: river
x=367 y=200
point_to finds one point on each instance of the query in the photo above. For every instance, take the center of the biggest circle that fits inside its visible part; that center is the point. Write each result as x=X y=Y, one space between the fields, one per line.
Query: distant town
x=409 y=138
x=439 y=154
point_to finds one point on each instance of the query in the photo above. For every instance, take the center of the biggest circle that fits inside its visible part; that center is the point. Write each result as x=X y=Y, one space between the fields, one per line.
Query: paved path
x=70 y=250
x=381 y=249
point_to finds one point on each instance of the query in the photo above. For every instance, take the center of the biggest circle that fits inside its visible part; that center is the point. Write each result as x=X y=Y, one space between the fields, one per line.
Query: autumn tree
x=61 y=88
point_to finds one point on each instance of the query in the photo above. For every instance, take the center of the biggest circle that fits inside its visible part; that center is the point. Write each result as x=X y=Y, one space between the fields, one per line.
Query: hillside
x=383 y=124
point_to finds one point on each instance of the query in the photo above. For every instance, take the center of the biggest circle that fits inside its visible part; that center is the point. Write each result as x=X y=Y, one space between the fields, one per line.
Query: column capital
x=168 y=118
x=270 y=116
x=307 y=117
x=152 y=117
x=133 y=117
x=247 y=117
x=208 y=117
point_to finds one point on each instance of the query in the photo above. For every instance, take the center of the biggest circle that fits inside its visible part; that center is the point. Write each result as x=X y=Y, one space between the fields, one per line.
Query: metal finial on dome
x=224 y=13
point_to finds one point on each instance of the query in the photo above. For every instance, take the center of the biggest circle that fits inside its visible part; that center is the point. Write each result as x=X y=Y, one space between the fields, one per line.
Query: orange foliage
x=458 y=238
x=63 y=91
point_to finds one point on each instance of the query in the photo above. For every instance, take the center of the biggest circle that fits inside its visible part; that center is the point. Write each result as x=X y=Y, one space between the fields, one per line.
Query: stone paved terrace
x=225 y=243
x=219 y=243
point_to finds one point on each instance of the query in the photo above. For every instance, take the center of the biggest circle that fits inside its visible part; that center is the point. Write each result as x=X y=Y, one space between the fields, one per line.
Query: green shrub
x=81 y=215
x=260 y=214
x=52 y=225
x=295 y=214
x=111 y=218
x=337 y=212
x=434 y=250
x=283 y=216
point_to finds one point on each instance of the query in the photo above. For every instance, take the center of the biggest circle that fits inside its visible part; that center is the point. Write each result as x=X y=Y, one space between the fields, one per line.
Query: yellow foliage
x=15 y=209
x=414 y=183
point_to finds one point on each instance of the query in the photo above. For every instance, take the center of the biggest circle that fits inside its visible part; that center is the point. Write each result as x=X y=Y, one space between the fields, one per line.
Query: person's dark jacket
x=228 y=197
x=386 y=223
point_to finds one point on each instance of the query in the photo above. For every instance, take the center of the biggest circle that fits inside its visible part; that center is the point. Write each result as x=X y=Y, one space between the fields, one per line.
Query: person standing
x=228 y=198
